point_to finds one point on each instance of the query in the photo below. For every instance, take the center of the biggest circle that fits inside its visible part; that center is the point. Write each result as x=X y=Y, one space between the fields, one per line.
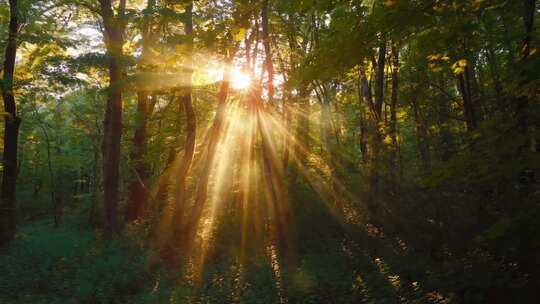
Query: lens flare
x=240 y=80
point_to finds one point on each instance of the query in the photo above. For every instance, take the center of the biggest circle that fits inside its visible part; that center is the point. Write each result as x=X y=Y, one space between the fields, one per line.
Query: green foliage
x=68 y=264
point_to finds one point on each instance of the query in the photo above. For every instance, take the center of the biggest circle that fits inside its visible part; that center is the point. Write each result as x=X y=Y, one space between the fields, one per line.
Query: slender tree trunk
x=95 y=187
x=468 y=108
x=421 y=135
x=365 y=97
x=272 y=166
x=215 y=133
x=288 y=122
x=95 y=169
x=114 y=40
x=189 y=144
x=301 y=141
x=11 y=132
x=287 y=115
x=393 y=104
x=363 y=135
x=379 y=80
x=267 y=50
x=374 y=202
x=494 y=71
x=53 y=184
x=526 y=121
x=326 y=129
x=138 y=192
x=164 y=180
x=529 y=9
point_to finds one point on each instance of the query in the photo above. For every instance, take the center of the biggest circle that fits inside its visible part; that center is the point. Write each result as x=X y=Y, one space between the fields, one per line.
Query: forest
x=270 y=151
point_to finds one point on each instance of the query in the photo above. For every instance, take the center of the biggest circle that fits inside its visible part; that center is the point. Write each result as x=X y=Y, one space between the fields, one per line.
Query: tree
x=138 y=188
x=11 y=131
x=114 y=25
x=191 y=128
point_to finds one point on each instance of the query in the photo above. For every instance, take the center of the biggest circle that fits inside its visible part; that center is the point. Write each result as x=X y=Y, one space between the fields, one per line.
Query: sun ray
x=248 y=171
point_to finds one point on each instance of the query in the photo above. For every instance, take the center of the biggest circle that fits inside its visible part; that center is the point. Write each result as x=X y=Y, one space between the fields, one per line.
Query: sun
x=240 y=80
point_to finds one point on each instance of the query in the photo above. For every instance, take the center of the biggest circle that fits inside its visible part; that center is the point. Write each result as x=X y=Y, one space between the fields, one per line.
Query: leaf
x=459 y=66
x=239 y=33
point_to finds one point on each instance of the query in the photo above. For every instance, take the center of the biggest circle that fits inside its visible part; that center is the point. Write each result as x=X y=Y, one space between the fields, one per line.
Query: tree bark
x=138 y=192
x=393 y=104
x=301 y=135
x=379 y=80
x=494 y=71
x=468 y=108
x=529 y=9
x=374 y=202
x=191 y=128
x=326 y=128
x=266 y=42
x=215 y=133
x=421 y=136
x=11 y=133
x=364 y=96
x=114 y=40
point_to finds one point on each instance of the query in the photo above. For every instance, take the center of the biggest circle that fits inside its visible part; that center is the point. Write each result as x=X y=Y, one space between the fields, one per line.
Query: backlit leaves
x=459 y=66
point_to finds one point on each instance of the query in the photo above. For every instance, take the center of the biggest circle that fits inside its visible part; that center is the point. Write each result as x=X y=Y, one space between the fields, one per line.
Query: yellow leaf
x=458 y=70
x=239 y=33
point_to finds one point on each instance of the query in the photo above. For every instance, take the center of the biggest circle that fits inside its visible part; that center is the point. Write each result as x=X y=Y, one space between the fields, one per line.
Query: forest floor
x=71 y=264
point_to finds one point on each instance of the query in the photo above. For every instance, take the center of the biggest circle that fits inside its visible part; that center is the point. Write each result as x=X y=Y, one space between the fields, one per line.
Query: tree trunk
x=421 y=136
x=266 y=42
x=273 y=170
x=165 y=177
x=326 y=130
x=494 y=71
x=393 y=105
x=379 y=80
x=364 y=97
x=526 y=121
x=288 y=123
x=301 y=135
x=374 y=201
x=189 y=144
x=215 y=133
x=468 y=108
x=529 y=9
x=138 y=192
x=114 y=41
x=11 y=132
